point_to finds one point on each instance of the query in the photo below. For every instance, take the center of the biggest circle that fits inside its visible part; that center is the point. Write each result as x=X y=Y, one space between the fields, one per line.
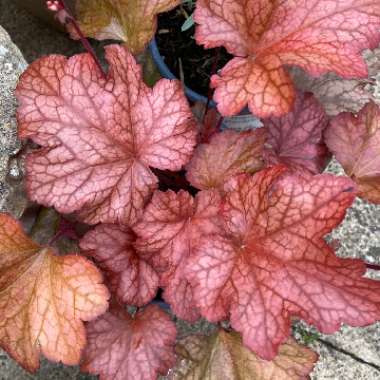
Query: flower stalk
x=65 y=16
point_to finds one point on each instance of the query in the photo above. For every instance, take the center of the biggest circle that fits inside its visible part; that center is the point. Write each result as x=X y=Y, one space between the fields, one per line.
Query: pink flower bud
x=54 y=5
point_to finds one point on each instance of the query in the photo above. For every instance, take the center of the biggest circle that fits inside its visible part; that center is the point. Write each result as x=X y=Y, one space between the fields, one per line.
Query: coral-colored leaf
x=355 y=141
x=320 y=36
x=228 y=153
x=296 y=138
x=100 y=136
x=132 y=279
x=44 y=298
x=131 y=21
x=272 y=262
x=170 y=228
x=223 y=356
x=121 y=347
x=262 y=84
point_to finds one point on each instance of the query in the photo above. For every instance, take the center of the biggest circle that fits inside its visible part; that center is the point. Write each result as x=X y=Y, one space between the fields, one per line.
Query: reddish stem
x=220 y=121
x=54 y=238
x=372 y=266
x=71 y=19
x=65 y=228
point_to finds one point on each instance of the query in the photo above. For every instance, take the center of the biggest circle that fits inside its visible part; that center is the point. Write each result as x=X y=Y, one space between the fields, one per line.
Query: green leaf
x=187 y=24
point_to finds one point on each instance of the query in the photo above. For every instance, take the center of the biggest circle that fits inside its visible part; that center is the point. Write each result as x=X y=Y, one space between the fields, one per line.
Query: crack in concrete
x=347 y=353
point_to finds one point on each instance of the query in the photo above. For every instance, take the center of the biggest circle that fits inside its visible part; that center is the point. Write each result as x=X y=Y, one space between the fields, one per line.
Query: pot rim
x=166 y=73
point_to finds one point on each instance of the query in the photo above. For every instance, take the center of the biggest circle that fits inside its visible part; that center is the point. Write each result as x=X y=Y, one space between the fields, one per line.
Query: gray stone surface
x=359 y=234
x=373 y=59
x=12 y=64
x=9 y=370
x=334 y=365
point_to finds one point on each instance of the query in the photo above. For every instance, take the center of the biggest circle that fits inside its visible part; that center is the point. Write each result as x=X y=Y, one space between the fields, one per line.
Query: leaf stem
x=55 y=238
x=65 y=228
x=372 y=266
x=70 y=19
x=220 y=121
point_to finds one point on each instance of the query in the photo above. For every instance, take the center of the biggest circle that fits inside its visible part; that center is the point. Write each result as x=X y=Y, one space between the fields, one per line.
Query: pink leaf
x=99 y=137
x=296 y=138
x=318 y=36
x=168 y=232
x=272 y=263
x=132 y=279
x=228 y=153
x=124 y=348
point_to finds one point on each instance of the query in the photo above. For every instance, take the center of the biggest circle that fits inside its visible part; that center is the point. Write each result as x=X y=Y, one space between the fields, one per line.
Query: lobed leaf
x=132 y=279
x=296 y=139
x=131 y=21
x=319 y=36
x=272 y=264
x=355 y=141
x=223 y=356
x=227 y=154
x=168 y=232
x=44 y=298
x=99 y=137
x=121 y=347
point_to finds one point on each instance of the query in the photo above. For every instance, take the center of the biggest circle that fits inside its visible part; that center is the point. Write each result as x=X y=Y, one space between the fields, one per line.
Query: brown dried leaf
x=131 y=21
x=334 y=93
x=355 y=142
x=341 y=95
x=223 y=356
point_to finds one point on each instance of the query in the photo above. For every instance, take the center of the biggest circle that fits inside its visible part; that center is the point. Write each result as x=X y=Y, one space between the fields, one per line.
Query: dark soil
x=181 y=53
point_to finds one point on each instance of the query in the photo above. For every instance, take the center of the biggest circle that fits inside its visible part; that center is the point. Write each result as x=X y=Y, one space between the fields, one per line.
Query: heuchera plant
x=238 y=240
